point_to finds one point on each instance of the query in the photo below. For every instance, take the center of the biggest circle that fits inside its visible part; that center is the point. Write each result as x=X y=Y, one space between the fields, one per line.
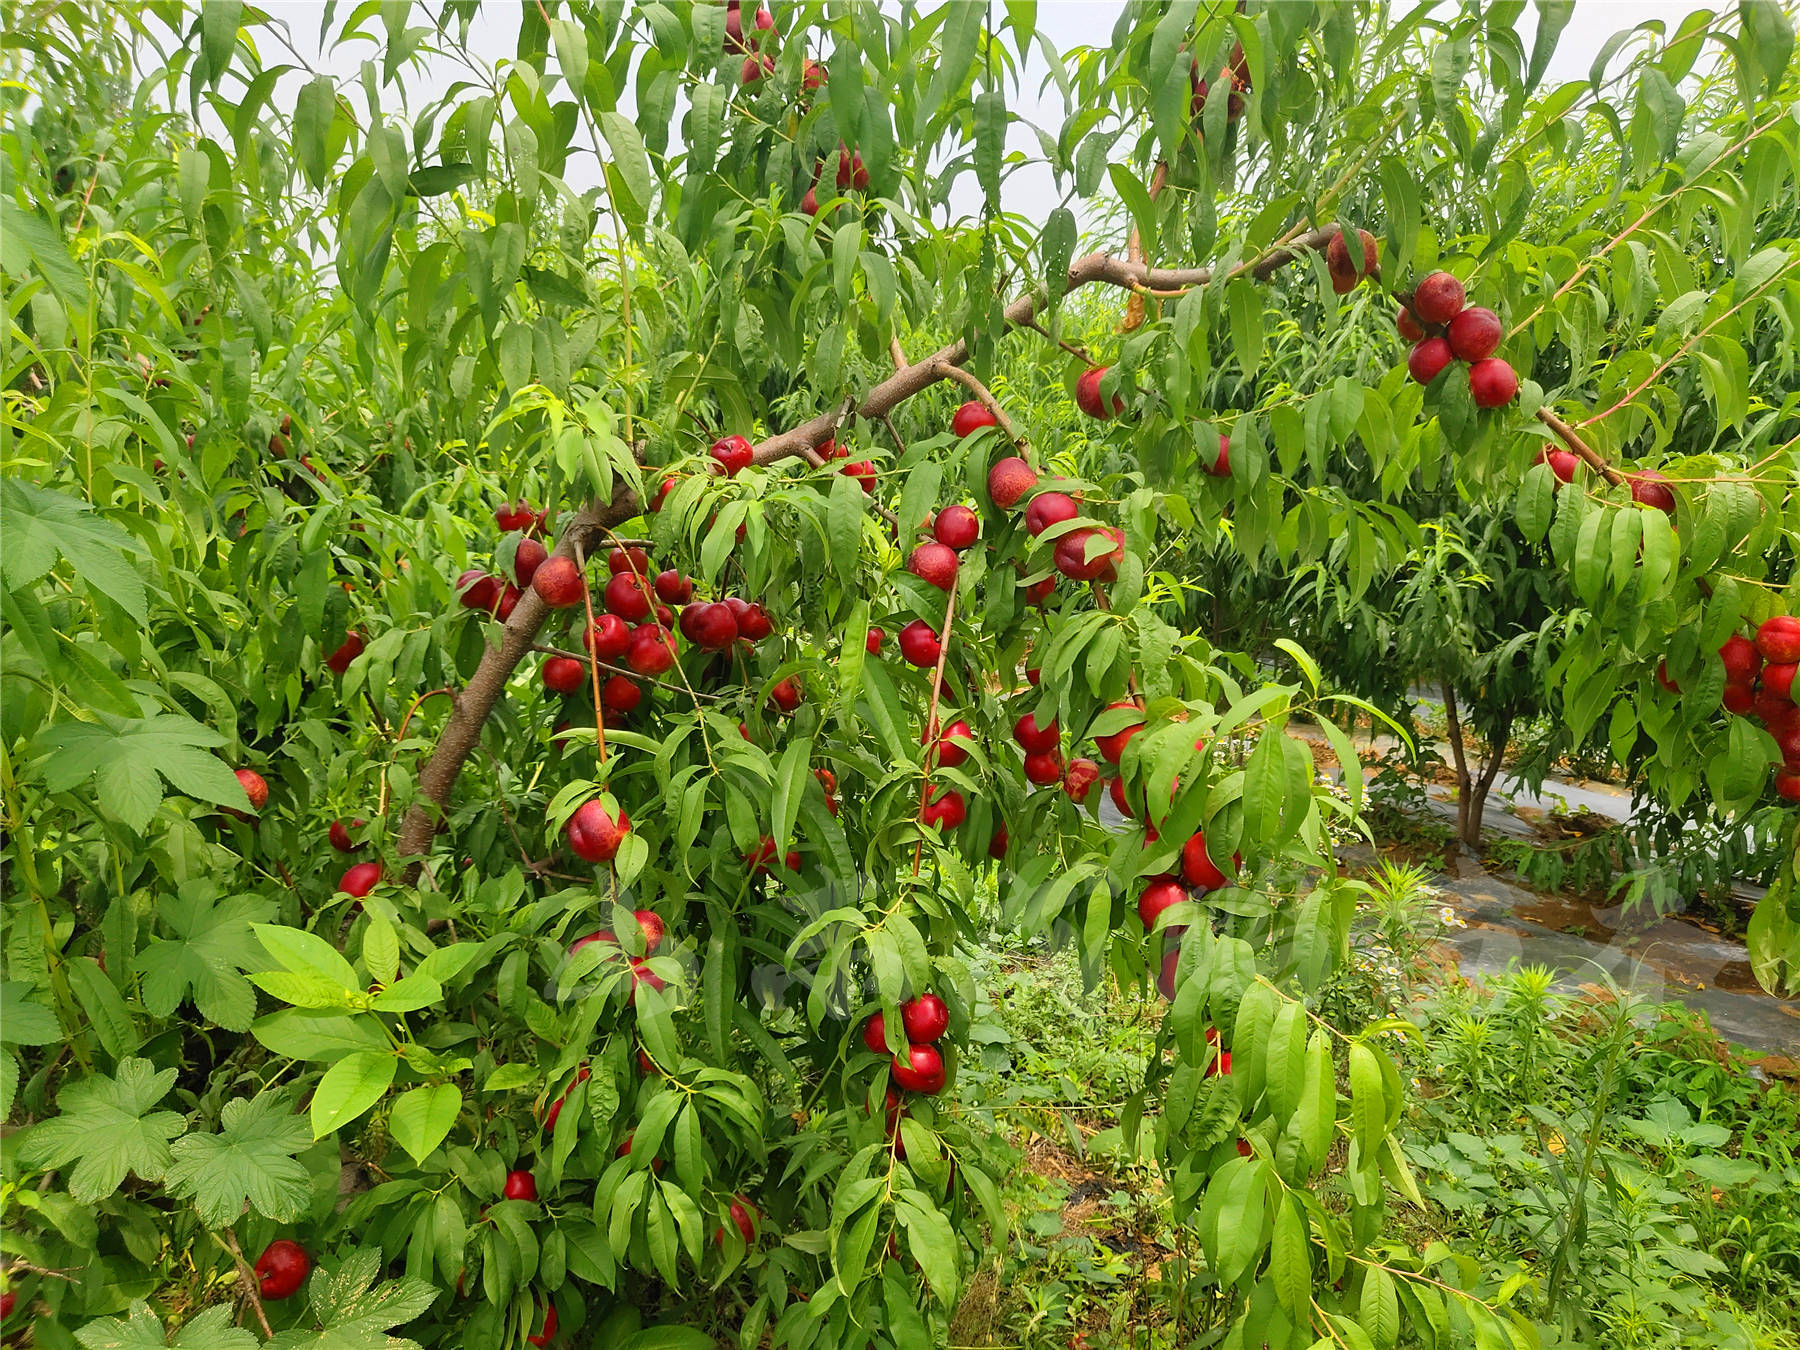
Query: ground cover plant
x=557 y=619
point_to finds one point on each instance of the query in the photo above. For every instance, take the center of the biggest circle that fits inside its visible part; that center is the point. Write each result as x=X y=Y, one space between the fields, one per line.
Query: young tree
x=665 y=800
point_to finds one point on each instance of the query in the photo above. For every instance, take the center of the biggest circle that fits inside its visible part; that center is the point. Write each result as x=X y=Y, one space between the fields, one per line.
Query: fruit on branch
x=339 y=834
x=673 y=588
x=624 y=1151
x=919 y=644
x=972 y=417
x=957 y=527
x=281 y=1269
x=1165 y=977
x=1428 y=359
x=1035 y=739
x=339 y=661
x=743 y=1217
x=1475 y=333
x=1343 y=270
x=998 y=843
x=626 y=597
x=863 y=471
x=254 y=788
x=593 y=834
x=920 y=1069
x=1742 y=660
x=785 y=694
x=581 y=1076
x=1408 y=326
x=1039 y=591
x=1787 y=785
x=1562 y=463
x=527 y=558
x=755 y=67
x=953 y=743
x=475 y=589
x=1043 y=768
x=875 y=1034
x=1075 y=560
x=563 y=674
x=1652 y=489
x=1161 y=894
x=628 y=561
x=752 y=619
x=1778 y=680
x=558 y=582
x=733 y=454
x=934 y=564
x=360 y=879
x=1198 y=868
x=520 y=1185
x=1112 y=745
x=1008 y=480
x=872 y=643
x=945 y=811
x=1221 y=467
x=641 y=974
x=1738 y=698
x=1778 y=639
x=509 y=598
x=926 y=1019
x=734 y=29
x=607 y=637
x=812 y=77
x=652 y=649
x=510 y=516
x=1438 y=299
x=1088 y=398
x=1664 y=679
x=1079 y=778
x=709 y=625
x=1492 y=383
x=809 y=203
x=548 y=1331
x=1049 y=508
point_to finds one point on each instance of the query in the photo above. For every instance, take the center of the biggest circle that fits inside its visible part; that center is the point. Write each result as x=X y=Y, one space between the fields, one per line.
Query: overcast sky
x=1067 y=23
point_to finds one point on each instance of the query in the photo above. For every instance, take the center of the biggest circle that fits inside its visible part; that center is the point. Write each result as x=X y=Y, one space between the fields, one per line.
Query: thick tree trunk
x=1464 y=780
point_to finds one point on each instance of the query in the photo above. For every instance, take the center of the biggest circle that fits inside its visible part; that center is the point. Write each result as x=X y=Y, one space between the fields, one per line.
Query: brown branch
x=619 y=670
x=1079 y=353
x=987 y=400
x=931 y=723
x=1569 y=437
x=248 y=1284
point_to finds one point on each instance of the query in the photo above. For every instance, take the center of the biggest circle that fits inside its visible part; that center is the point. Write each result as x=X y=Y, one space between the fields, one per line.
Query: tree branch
x=1571 y=438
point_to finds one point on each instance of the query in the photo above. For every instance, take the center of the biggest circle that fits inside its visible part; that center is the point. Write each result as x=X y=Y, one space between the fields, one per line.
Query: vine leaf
x=40 y=525
x=356 y=1314
x=212 y=947
x=104 y=1131
x=210 y=1329
x=250 y=1159
x=130 y=758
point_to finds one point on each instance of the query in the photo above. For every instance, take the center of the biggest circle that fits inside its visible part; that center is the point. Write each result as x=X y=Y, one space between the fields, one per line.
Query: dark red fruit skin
x=558 y=583
x=1778 y=639
x=1049 y=508
x=563 y=674
x=1008 y=480
x=475 y=589
x=545 y=1336
x=339 y=834
x=743 y=1218
x=934 y=564
x=360 y=879
x=710 y=625
x=1438 y=299
x=1408 y=326
x=631 y=560
x=1035 y=739
x=1475 y=333
x=1652 y=489
x=339 y=661
x=1088 y=397
x=1787 y=786
x=620 y=694
x=674 y=588
x=608 y=637
x=1492 y=383
x=926 y=1018
x=785 y=695
x=282 y=1269
x=556 y=1106
x=1043 y=767
x=520 y=1185
x=628 y=597
x=957 y=527
x=1742 y=661
x=8 y=1301
x=1221 y=467
x=971 y=417
x=872 y=643
x=1199 y=869
x=919 y=645
x=652 y=649
x=875 y=1034
x=945 y=811
x=254 y=788
x=1338 y=263
x=1562 y=463
x=1112 y=746
x=1738 y=698
x=920 y=1069
x=527 y=558
x=952 y=744
x=594 y=835
x=998 y=845
x=1428 y=359
x=1072 y=558
x=733 y=453
x=1161 y=894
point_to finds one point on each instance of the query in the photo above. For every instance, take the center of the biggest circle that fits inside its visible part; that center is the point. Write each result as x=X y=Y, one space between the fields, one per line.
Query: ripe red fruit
x=920 y=1069
x=1772 y=706
x=1562 y=463
x=607 y=638
x=1408 y=326
x=509 y=599
x=555 y=1110
x=1088 y=398
x=1165 y=978
x=620 y=694
x=1076 y=561
x=1112 y=746
x=752 y=621
x=1008 y=480
x=945 y=811
x=339 y=661
x=1742 y=660
x=1115 y=788
x=1043 y=768
x=709 y=624
x=1344 y=273
x=520 y=1185
x=545 y=1336
x=733 y=453
x=626 y=596
x=1049 y=508
x=1787 y=786
x=997 y=845
x=642 y=974
x=875 y=1034
x=971 y=417
x=1221 y=467
x=674 y=588
x=1428 y=359
x=360 y=879
x=1475 y=333
x=634 y=560
x=281 y=1269
x=477 y=590
x=527 y=558
x=1778 y=679
x=1662 y=677
x=1079 y=778
x=651 y=924
x=957 y=527
x=594 y=835
x=663 y=489
x=1652 y=489
x=926 y=1018
x=863 y=471
x=1035 y=739
x=510 y=516
x=952 y=744
x=254 y=788
x=743 y=1218
x=563 y=674
x=810 y=202
x=652 y=649
x=1039 y=591
x=558 y=582
x=1787 y=741
x=1739 y=699
x=859 y=175
x=1778 y=639
x=1199 y=869
x=10 y=1300
x=934 y=564
x=339 y=834
x=1492 y=383
x=624 y=1151
x=919 y=644
x=785 y=695
x=812 y=77
x=872 y=644
x=1161 y=894
x=1439 y=299
x=755 y=68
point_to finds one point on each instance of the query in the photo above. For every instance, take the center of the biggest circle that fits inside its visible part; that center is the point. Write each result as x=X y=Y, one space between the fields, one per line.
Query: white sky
x=1028 y=191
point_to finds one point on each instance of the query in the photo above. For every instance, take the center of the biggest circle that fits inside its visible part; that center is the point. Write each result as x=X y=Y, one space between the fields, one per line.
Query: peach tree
x=545 y=617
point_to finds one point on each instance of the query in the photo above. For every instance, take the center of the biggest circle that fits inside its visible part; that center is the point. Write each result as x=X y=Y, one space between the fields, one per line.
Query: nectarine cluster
x=1759 y=683
x=1444 y=328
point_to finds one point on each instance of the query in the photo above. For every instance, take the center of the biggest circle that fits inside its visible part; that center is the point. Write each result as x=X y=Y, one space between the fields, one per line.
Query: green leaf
x=630 y=160
x=106 y=1128
x=41 y=525
x=140 y=1329
x=1368 y=1099
x=205 y=960
x=353 y=1312
x=349 y=1088
x=252 y=1159
x=1290 y=1261
x=423 y=1117
x=313 y=114
x=124 y=758
x=23 y=1021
